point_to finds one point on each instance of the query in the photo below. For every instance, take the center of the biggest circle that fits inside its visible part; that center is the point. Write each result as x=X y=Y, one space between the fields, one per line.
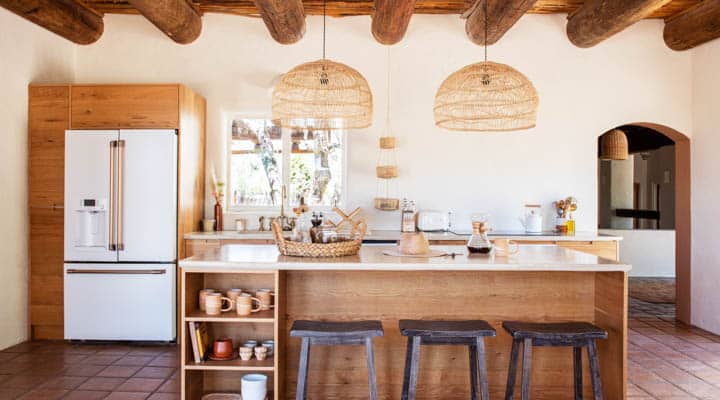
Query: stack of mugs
x=212 y=301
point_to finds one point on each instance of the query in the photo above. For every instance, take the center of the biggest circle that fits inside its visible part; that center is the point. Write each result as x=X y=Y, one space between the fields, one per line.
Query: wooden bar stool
x=466 y=333
x=335 y=333
x=567 y=334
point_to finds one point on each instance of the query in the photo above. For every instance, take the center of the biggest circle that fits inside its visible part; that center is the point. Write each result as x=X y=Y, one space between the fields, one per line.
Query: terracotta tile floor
x=667 y=360
x=50 y=370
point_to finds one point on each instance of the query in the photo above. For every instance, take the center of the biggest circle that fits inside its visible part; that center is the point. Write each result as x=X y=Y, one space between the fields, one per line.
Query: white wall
x=583 y=93
x=706 y=187
x=650 y=252
x=29 y=54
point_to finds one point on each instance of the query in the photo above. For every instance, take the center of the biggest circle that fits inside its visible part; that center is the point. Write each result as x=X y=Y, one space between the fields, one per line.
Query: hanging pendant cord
x=485 y=11
x=324 y=19
x=387 y=111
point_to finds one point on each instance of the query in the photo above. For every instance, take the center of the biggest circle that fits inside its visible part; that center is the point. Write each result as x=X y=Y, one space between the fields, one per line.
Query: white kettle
x=532 y=219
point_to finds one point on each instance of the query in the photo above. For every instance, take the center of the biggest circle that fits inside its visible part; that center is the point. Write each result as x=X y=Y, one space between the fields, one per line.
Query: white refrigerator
x=120 y=234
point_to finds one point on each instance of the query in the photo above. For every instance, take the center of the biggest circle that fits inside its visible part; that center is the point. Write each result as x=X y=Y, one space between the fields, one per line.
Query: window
x=264 y=157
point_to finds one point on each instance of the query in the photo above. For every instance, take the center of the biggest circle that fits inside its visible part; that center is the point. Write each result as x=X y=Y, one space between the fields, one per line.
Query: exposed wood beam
x=693 y=27
x=67 y=18
x=176 y=18
x=502 y=15
x=391 y=19
x=285 y=19
x=597 y=20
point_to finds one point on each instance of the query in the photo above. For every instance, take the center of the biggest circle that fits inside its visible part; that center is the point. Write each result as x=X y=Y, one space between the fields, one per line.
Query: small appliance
x=532 y=218
x=432 y=220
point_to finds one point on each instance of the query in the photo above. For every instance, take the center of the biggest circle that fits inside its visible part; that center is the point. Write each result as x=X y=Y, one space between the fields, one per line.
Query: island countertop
x=528 y=258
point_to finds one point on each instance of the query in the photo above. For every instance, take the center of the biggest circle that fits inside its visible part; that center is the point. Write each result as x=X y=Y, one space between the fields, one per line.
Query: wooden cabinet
x=197 y=246
x=52 y=109
x=125 y=106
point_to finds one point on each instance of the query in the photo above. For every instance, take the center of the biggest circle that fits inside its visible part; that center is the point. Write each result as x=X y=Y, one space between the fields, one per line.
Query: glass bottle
x=315 y=230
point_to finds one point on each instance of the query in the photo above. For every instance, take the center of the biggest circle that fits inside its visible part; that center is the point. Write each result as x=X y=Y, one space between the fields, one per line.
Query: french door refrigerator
x=120 y=234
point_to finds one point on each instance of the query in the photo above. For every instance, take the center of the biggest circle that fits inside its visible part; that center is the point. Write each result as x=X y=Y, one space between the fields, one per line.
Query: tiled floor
x=667 y=360
x=58 y=370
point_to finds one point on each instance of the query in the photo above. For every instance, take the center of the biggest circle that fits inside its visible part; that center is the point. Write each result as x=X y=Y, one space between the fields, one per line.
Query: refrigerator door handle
x=121 y=159
x=117 y=271
x=112 y=242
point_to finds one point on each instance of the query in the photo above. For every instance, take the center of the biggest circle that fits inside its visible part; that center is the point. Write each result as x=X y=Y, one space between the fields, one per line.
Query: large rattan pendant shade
x=322 y=94
x=614 y=145
x=486 y=97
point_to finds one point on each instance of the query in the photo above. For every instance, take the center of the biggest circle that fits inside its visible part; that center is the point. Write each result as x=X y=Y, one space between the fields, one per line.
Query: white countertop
x=395 y=235
x=529 y=258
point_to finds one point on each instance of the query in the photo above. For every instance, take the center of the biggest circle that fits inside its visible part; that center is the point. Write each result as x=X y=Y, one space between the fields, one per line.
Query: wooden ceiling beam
x=502 y=15
x=176 y=18
x=697 y=25
x=597 y=20
x=285 y=19
x=391 y=19
x=67 y=18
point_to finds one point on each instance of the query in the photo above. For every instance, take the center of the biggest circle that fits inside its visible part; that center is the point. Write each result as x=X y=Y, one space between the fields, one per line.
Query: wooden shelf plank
x=230 y=316
x=232 y=365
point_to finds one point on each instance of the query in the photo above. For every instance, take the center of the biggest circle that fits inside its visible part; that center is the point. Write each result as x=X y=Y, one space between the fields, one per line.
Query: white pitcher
x=532 y=219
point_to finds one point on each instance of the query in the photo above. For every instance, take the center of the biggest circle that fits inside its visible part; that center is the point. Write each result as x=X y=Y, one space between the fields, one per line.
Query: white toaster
x=430 y=220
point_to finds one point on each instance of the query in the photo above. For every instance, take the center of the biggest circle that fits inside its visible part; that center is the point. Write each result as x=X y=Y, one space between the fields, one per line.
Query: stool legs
x=303 y=370
x=577 y=367
x=482 y=367
x=527 y=367
x=512 y=370
x=371 y=367
x=595 y=370
x=412 y=359
x=473 y=371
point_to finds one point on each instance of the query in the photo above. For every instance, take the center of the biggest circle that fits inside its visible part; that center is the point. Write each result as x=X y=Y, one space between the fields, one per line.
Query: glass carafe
x=479 y=242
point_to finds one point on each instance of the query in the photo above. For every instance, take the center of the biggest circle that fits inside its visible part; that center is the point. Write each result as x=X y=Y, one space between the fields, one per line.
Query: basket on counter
x=336 y=249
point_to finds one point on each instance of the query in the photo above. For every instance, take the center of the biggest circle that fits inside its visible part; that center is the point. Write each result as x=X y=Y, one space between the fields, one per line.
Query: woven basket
x=387 y=204
x=387 y=142
x=338 y=249
x=386 y=171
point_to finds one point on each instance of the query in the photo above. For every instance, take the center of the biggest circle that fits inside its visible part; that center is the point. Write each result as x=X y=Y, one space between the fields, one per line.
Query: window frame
x=285 y=162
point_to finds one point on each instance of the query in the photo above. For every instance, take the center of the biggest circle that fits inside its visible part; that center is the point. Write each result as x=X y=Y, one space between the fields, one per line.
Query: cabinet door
x=124 y=106
x=198 y=246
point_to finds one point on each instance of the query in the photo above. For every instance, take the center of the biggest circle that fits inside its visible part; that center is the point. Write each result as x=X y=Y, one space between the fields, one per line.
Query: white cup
x=253 y=387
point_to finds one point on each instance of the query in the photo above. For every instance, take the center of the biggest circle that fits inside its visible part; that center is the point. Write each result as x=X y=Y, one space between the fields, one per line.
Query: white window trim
x=286 y=153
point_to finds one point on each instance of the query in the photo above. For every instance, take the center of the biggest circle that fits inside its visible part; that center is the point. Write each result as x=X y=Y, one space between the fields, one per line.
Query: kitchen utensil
x=201 y=297
x=531 y=219
x=214 y=303
x=432 y=220
x=479 y=242
x=265 y=297
x=253 y=387
x=506 y=247
x=244 y=304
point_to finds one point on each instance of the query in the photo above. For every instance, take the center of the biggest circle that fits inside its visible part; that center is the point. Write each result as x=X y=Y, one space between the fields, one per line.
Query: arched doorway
x=681 y=218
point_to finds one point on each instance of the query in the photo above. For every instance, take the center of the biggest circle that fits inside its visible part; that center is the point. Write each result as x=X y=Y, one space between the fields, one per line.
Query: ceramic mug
x=245 y=353
x=214 y=303
x=244 y=304
x=270 y=344
x=265 y=297
x=201 y=297
x=261 y=352
x=233 y=294
x=253 y=387
x=505 y=247
x=250 y=344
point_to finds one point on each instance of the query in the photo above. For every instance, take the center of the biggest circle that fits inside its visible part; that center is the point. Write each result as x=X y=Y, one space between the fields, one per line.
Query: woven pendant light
x=614 y=146
x=486 y=97
x=322 y=94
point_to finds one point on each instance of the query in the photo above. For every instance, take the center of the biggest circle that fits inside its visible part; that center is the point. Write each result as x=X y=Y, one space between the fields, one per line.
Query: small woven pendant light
x=322 y=94
x=486 y=97
x=614 y=145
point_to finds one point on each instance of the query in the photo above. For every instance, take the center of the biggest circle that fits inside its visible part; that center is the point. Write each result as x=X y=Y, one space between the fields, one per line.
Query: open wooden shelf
x=237 y=364
x=231 y=316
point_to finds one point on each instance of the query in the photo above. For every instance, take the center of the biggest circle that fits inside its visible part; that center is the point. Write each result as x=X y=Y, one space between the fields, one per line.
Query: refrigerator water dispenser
x=90 y=227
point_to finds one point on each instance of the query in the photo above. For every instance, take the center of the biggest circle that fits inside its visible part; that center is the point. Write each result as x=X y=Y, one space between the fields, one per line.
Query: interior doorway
x=645 y=198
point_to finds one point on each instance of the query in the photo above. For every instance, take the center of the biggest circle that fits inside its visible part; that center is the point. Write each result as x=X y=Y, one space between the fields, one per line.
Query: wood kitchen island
x=540 y=283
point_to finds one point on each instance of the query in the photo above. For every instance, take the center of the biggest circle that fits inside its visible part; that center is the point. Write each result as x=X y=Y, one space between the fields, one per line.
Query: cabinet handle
x=117 y=271
x=120 y=167
x=111 y=240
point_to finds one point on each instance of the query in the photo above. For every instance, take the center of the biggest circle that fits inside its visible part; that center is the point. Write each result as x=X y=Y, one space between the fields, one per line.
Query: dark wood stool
x=335 y=333
x=467 y=333
x=568 y=334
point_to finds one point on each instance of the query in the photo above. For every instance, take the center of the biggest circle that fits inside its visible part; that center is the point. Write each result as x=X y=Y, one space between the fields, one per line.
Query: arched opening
x=647 y=197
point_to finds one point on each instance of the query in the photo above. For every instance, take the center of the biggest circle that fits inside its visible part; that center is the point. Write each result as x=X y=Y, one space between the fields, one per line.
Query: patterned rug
x=653 y=290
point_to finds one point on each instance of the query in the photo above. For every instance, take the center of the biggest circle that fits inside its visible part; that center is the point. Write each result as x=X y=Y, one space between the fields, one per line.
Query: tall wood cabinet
x=52 y=109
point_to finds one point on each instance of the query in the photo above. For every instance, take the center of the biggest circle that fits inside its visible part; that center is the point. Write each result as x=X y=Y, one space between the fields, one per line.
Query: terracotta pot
x=223 y=348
